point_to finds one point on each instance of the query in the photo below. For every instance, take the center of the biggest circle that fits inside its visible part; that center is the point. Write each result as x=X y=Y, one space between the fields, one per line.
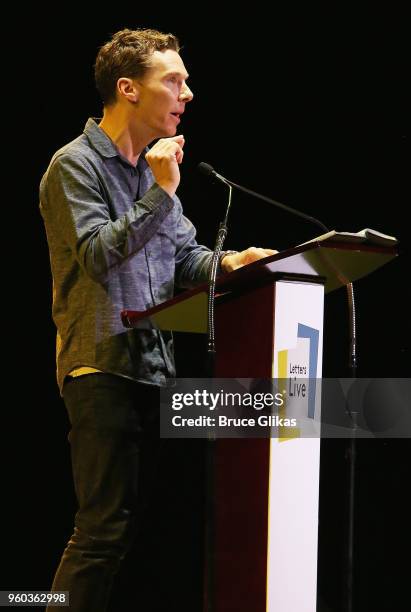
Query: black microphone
x=209 y=171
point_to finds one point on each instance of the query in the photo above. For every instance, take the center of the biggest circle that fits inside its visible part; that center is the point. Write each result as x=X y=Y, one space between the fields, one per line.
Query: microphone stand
x=210 y=452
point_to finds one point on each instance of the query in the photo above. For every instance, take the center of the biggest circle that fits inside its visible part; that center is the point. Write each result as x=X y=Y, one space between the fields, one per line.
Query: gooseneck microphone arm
x=209 y=171
x=212 y=276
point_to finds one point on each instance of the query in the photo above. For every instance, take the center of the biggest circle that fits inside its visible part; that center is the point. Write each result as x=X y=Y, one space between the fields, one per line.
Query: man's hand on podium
x=233 y=261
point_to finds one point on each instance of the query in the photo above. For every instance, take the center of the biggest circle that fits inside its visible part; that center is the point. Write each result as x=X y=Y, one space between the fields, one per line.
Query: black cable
x=351 y=456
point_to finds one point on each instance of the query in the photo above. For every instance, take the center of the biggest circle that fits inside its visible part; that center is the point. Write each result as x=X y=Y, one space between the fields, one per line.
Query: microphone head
x=205 y=169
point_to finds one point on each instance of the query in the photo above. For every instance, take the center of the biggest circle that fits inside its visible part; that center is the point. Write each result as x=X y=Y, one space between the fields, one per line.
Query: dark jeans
x=115 y=450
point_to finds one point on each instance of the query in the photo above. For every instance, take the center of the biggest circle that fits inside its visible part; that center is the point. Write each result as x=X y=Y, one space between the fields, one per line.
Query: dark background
x=308 y=108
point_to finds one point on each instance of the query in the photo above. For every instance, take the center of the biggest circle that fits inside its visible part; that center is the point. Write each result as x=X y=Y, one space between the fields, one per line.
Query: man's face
x=163 y=94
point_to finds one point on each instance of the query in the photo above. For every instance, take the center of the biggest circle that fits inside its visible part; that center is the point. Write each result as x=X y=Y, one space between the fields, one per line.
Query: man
x=118 y=240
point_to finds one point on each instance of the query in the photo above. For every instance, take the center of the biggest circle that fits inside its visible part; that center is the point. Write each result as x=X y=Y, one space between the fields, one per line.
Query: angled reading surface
x=337 y=263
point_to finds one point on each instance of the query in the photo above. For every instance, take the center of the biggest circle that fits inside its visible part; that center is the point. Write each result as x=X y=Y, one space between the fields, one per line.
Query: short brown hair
x=128 y=54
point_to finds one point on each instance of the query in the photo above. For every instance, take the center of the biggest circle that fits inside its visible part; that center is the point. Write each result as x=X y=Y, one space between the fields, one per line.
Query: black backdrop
x=308 y=108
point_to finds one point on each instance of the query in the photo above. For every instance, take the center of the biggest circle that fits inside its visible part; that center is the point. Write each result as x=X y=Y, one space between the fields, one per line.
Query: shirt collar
x=105 y=146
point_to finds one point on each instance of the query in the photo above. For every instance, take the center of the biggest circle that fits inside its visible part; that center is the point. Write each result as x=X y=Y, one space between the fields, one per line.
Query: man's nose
x=186 y=95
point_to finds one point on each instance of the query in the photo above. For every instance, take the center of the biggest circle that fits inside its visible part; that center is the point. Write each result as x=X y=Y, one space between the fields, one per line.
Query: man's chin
x=167 y=132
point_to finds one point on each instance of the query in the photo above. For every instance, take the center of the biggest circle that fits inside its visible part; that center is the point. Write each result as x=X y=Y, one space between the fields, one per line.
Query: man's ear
x=127 y=88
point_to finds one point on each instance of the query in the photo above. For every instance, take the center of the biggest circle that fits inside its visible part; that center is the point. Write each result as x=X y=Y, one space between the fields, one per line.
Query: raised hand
x=164 y=158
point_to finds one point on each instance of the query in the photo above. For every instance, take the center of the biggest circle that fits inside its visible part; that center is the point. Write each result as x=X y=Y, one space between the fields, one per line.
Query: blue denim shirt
x=117 y=241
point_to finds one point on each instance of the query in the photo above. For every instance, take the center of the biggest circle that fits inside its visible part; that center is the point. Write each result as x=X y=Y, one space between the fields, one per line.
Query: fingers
x=171 y=148
x=179 y=138
x=179 y=155
x=165 y=142
x=255 y=253
x=270 y=252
